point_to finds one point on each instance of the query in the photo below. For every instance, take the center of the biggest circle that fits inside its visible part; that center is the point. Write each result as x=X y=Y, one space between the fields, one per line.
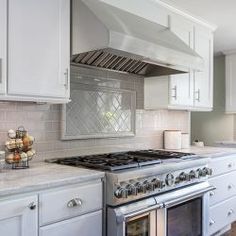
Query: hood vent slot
x=102 y=59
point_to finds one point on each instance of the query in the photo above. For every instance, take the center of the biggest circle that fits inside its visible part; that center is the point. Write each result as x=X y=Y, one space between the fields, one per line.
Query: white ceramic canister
x=172 y=139
x=185 y=140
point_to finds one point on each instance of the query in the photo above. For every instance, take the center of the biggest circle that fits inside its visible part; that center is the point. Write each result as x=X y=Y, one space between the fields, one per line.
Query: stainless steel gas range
x=152 y=192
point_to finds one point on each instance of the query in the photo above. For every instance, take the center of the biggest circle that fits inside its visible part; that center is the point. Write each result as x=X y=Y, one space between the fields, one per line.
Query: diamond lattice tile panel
x=96 y=112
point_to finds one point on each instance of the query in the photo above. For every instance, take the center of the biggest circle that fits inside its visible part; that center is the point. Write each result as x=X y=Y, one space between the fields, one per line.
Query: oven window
x=185 y=219
x=138 y=227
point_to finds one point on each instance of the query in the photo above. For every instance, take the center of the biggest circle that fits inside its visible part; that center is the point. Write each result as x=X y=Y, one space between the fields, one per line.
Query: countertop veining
x=42 y=176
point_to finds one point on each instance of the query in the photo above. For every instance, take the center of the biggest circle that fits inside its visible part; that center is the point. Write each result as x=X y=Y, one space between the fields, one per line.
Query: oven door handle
x=187 y=197
x=131 y=215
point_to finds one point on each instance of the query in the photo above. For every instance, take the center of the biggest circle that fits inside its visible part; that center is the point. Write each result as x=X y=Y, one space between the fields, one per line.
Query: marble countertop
x=42 y=176
x=210 y=152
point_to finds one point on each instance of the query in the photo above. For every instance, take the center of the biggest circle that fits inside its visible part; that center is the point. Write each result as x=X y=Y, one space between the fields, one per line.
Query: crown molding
x=229 y=52
x=186 y=14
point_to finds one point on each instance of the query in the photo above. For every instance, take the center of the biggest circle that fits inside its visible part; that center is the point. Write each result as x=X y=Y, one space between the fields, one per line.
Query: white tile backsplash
x=43 y=122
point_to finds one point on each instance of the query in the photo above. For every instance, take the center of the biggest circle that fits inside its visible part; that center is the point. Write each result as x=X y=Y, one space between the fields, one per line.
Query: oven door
x=134 y=219
x=186 y=211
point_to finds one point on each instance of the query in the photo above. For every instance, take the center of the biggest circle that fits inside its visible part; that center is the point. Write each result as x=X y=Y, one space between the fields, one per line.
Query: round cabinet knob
x=231 y=211
x=170 y=179
x=212 y=193
x=32 y=206
x=211 y=222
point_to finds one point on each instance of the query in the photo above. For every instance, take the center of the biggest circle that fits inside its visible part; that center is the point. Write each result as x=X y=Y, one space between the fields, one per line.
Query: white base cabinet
x=19 y=217
x=223 y=198
x=85 y=225
x=73 y=210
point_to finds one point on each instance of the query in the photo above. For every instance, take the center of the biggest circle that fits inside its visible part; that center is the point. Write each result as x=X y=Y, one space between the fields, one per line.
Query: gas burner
x=123 y=160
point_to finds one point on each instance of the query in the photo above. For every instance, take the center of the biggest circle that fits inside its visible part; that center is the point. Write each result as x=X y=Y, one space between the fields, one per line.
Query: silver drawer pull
x=174 y=89
x=212 y=193
x=75 y=202
x=32 y=206
x=212 y=222
x=231 y=211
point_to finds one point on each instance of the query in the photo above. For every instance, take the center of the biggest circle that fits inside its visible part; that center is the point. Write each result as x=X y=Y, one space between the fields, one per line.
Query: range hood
x=126 y=36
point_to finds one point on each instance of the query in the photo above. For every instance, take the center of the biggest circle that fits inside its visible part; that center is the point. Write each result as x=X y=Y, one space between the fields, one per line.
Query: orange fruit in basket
x=16 y=157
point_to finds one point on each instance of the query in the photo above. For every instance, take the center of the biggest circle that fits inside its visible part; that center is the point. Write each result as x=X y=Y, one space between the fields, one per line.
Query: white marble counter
x=41 y=176
x=210 y=152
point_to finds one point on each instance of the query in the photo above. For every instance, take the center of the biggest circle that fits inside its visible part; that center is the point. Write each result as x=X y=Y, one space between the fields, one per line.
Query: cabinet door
x=17 y=218
x=3 y=45
x=230 y=72
x=181 y=86
x=38 y=48
x=86 y=225
x=203 y=91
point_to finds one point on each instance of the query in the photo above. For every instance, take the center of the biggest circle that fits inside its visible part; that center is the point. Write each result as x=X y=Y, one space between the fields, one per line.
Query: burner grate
x=123 y=160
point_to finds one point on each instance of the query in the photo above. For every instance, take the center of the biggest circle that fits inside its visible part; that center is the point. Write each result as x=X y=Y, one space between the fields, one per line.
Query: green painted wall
x=216 y=125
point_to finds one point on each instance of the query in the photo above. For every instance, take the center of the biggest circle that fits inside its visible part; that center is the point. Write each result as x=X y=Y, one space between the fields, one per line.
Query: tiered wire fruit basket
x=19 y=148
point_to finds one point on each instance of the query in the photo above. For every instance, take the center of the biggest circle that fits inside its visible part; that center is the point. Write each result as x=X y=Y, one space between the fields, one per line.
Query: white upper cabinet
x=203 y=88
x=19 y=217
x=38 y=45
x=181 y=85
x=3 y=45
x=230 y=76
x=190 y=91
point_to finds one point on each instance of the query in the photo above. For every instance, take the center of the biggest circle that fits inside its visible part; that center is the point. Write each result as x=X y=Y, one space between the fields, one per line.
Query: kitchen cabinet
x=203 y=81
x=85 y=225
x=19 y=216
x=181 y=85
x=190 y=91
x=230 y=73
x=223 y=199
x=64 y=210
x=38 y=62
x=3 y=45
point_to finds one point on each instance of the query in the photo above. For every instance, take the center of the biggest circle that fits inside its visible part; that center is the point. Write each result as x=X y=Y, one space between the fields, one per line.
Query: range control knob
x=184 y=177
x=170 y=179
x=121 y=192
x=192 y=174
x=132 y=190
x=199 y=173
x=207 y=171
x=141 y=186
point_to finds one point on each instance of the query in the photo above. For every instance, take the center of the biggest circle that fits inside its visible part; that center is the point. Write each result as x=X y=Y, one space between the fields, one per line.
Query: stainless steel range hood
x=126 y=36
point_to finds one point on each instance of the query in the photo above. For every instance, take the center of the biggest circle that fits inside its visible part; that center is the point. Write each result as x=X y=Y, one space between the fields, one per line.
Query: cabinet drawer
x=223 y=165
x=86 y=225
x=222 y=214
x=65 y=203
x=225 y=187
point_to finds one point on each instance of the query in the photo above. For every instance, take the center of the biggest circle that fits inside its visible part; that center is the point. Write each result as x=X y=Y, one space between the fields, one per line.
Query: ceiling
x=219 y=12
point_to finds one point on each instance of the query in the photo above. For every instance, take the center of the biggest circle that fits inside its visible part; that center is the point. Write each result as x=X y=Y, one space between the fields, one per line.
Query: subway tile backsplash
x=43 y=122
